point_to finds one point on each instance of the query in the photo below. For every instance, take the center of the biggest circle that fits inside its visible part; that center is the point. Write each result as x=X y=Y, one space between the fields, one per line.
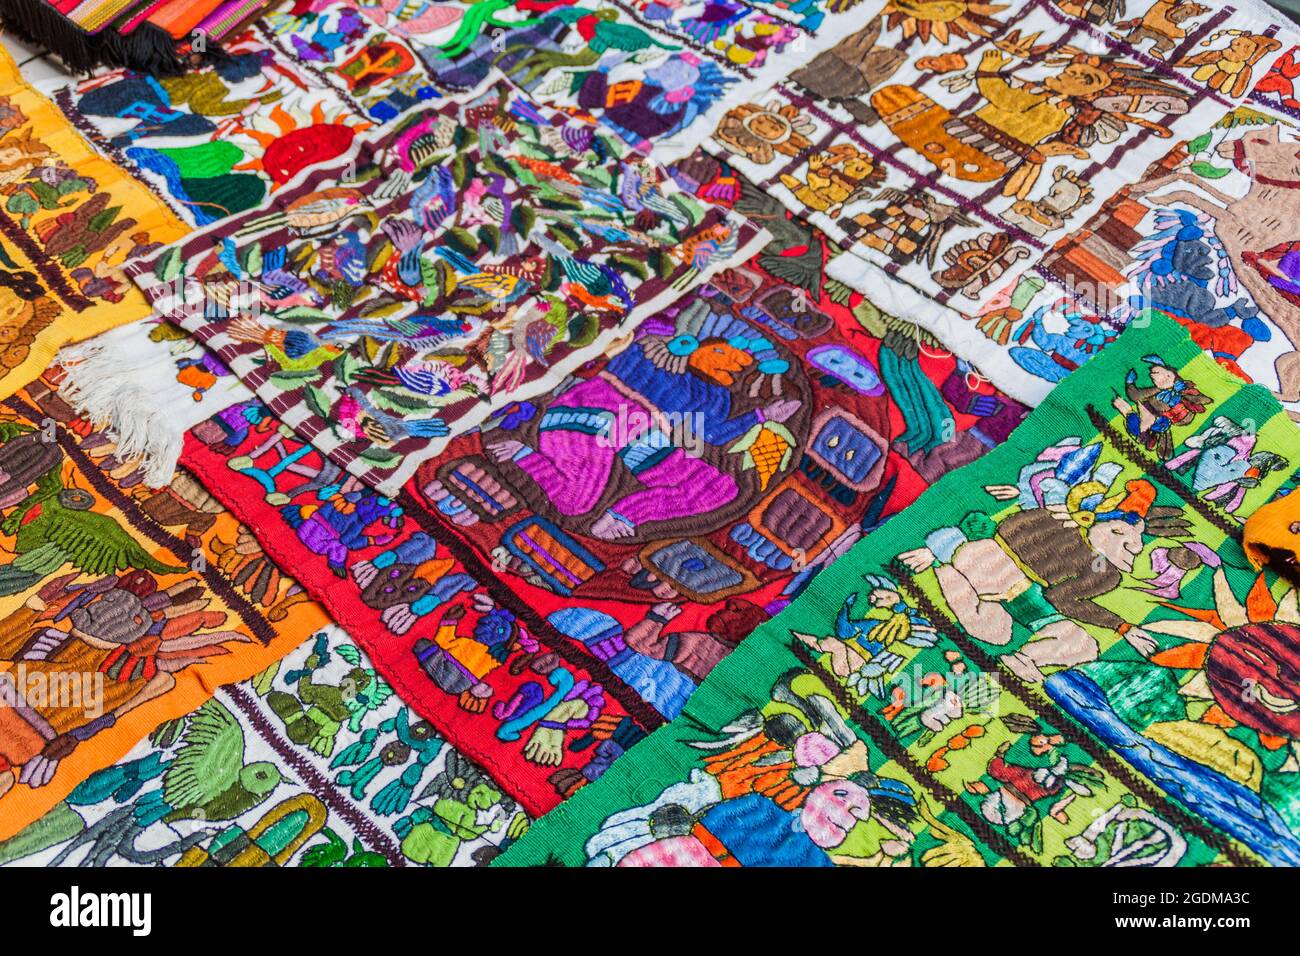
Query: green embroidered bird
x=481 y=15
x=603 y=33
x=208 y=779
x=292 y=350
x=55 y=526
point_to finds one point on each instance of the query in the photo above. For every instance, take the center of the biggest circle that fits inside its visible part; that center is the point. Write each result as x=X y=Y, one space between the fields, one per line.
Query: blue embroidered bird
x=430 y=377
x=356 y=414
x=276 y=280
x=417 y=331
x=342 y=258
x=408 y=241
x=594 y=285
x=292 y=349
x=638 y=189
x=434 y=200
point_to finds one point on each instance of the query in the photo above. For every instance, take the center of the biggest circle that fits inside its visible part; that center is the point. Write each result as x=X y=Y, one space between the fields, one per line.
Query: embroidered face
x=832 y=810
x=941 y=19
x=396 y=585
x=1254 y=671
x=1162 y=377
x=299 y=141
x=118 y=617
x=1079 y=79
x=1262 y=152
x=1251 y=666
x=849 y=367
x=1117 y=541
x=848 y=448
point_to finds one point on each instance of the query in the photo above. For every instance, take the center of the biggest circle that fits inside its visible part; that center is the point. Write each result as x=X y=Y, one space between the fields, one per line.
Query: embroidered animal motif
x=1162 y=24
x=339 y=526
x=1038 y=217
x=1258 y=231
x=1229 y=70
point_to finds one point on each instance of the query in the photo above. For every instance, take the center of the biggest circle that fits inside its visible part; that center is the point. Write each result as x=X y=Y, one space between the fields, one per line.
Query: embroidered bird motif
x=208 y=779
x=55 y=527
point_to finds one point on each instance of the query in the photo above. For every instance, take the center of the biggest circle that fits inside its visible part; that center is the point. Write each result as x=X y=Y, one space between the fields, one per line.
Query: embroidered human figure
x=1150 y=413
x=1030 y=580
x=1019 y=125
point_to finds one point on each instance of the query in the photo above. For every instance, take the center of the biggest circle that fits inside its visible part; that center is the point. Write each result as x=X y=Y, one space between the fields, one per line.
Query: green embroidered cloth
x=1060 y=655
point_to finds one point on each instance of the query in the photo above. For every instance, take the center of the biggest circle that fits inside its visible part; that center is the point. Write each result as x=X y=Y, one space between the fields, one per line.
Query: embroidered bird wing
x=209 y=759
x=803 y=269
x=94 y=543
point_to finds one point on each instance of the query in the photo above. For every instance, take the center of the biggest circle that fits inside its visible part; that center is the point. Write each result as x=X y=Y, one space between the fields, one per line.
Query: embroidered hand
x=666 y=610
x=1141 y=641
x=1003 y=492
x=545 y=746
x=1062 y=149
x=992 y=61
x=505 y=450
x=918 y=560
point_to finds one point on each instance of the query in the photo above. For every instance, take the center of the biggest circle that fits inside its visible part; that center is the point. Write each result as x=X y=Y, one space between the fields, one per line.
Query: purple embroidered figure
x=668 y=100
x=627 y=432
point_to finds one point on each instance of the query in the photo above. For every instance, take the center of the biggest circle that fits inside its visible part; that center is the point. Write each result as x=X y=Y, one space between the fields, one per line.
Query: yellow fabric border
x=209 y=619
x=36 y=137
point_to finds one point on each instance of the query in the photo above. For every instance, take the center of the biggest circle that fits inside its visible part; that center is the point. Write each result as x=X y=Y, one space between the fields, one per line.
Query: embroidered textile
x=313 y=762
x=68 y=222
x=467 y=258
x=120 y=606
x=1081 y=666
x=951 y=154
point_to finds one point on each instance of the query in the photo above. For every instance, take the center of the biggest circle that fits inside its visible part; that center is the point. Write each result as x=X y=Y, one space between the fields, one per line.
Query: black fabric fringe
x=146 y=49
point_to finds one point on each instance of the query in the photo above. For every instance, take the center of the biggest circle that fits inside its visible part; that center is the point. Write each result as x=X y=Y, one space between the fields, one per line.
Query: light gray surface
x=36 y=67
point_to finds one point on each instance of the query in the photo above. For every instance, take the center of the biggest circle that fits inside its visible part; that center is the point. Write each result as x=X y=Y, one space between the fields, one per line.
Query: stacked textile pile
x=528 y=411
x=153 y=36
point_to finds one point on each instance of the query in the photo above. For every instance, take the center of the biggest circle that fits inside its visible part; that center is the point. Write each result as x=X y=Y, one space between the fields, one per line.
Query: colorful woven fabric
x=951 y=153
x=228 y=17
x=68 y=222
x=803 y=419
x=655 y=73
x=467 y=258
x=1205 y=236
x=146 y=35
x=313 y=762
x=659 y=504
x=217 y=141
x=537 y=711
x=120 y=607
x=1080 y=665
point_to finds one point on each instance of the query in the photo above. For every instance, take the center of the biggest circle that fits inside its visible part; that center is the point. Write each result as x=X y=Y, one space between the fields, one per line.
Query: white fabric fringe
x=125 y=383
